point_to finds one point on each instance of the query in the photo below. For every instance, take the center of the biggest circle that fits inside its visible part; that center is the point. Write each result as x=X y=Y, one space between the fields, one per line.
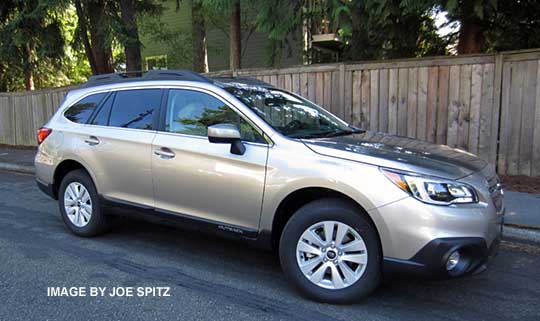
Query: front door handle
x=92 y=140
x=164 y=153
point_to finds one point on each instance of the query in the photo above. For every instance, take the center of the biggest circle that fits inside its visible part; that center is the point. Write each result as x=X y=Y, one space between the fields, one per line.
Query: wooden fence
x=486 y=104
x=21 y=114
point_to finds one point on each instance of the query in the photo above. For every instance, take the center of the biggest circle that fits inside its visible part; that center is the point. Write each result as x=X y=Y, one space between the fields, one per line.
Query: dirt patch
x=521 y=183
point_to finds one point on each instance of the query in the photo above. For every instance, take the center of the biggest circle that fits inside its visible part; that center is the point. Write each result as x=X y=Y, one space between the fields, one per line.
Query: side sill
x=129 y=209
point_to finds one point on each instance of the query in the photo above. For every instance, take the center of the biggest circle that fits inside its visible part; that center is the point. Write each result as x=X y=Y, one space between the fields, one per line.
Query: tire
x=339 y=216
x=78 y=222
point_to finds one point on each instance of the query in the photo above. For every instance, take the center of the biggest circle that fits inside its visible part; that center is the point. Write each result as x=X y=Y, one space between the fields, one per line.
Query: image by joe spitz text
x=102 y=291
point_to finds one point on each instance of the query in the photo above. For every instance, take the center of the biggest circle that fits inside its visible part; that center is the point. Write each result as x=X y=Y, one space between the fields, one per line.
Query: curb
x=17 y=168
x=521 y=234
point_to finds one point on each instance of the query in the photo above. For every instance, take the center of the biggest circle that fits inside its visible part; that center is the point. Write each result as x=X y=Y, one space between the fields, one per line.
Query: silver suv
x=241 y=158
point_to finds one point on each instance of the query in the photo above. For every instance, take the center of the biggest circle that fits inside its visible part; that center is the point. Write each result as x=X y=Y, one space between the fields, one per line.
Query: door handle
x=164 y=153
x=92 y=140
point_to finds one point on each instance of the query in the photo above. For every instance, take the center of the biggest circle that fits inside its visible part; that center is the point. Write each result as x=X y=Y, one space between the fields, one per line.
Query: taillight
x=42 y=134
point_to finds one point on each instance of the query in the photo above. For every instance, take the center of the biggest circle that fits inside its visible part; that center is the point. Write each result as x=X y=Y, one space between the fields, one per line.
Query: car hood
x=399 y=153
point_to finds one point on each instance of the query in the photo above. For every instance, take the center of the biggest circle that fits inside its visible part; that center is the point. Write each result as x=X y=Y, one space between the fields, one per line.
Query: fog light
x=452 y=261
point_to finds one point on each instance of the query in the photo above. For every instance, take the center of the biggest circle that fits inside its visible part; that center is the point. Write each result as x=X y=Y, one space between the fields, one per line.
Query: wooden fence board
x=453 y=106
x=505 y=116
x=525 y=140
x=364 y=100
x=474 y=111
x=442 y=105
x=7 y=123
x=431 y=115
x=535 y=167
x=412 y=102
x=486 y=104
x=383 y=101
x=393 y=101
x=356 y=99
x=421 y=117
x=516 y=104
x=402 y=101
x=319 y=94
x=374 y=100
x=464 y=106
x=348 y=97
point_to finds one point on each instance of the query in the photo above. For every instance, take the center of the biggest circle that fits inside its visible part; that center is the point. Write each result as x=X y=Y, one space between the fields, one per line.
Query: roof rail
x=130 y=76
x=175 y=74
x=244 y=80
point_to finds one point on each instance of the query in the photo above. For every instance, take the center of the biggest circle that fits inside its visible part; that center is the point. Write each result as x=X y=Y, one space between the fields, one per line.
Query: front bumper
x=431 y=260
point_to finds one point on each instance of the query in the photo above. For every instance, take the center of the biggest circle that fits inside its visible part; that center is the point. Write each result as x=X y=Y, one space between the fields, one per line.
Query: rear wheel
x=79 y=205
x=331 y=252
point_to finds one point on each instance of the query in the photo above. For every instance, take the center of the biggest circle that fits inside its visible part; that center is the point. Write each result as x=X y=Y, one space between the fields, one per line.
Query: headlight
x=433 y=190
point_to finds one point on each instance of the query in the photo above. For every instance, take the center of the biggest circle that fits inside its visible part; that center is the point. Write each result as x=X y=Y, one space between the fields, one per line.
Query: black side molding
x=160 y=216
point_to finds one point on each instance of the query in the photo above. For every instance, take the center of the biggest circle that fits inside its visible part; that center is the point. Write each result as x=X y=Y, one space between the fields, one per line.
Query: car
x=342 y=206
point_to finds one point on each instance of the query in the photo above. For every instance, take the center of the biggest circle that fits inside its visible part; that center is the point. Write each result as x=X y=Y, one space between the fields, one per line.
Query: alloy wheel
x=78 y=204
x=331 y=255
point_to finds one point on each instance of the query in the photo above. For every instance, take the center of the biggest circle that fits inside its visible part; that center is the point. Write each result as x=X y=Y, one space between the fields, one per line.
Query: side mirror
x=227 y=134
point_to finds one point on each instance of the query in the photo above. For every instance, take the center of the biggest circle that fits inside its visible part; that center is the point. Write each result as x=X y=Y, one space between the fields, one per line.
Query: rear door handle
x=164 y=153
x=92 y=140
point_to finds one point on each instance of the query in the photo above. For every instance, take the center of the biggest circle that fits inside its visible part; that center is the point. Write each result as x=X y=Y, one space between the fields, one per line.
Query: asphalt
x=215 y=279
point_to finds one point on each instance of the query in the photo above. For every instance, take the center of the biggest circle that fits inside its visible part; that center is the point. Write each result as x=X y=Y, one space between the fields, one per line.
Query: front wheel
x=331 y=252
x=79 y=205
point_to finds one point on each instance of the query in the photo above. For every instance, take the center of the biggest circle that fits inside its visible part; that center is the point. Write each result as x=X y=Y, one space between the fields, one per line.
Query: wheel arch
x=298 y=198
x=63 y=168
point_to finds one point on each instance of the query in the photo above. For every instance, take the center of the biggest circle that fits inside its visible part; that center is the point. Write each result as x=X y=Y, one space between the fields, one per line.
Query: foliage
x=30 y=38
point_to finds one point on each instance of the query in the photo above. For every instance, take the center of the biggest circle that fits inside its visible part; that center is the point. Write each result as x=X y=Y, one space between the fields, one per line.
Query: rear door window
x=81 y=111
x=135 y=108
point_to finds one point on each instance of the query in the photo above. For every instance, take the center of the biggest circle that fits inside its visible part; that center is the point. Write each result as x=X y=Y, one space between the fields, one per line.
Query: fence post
x=341 y=91
x=496 y=110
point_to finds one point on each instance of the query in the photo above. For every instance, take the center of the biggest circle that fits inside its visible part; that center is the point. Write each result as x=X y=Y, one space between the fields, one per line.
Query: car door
x=205 y=180
x=117 y=145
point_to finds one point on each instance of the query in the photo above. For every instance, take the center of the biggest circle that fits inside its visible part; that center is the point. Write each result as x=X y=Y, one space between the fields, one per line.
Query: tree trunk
x=471 y=38
x=84 y=35
x=29 y=79
x=198 y=35
x=28 y=67
x=235 y=37
x=132 y=44
x=98 y=43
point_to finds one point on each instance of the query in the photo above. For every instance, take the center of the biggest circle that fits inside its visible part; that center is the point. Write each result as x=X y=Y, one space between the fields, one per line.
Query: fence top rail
x=39 y=91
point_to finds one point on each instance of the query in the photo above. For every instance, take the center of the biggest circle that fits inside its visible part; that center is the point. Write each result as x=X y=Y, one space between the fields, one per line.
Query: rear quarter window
x=81 y=111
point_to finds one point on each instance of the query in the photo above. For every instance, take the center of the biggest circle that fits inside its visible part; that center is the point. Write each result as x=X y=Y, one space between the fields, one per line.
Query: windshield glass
x=289 y=114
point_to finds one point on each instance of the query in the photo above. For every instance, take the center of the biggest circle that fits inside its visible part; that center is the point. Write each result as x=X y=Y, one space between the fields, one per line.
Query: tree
x=30 y=32
x=494 y=25
x=95 y=32
x=233 y=9
x=235 y=37
x=198 y=37
x=131 y=42
x=370 y=29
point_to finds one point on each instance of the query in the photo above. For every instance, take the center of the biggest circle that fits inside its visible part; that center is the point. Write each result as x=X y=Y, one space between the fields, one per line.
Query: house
x=167 y=42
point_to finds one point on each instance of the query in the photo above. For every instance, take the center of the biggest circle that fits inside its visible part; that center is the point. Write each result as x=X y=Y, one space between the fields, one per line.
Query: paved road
x=213 y=279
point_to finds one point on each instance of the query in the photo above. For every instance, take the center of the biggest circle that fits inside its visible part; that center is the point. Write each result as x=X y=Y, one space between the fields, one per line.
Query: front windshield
x=289 y=114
